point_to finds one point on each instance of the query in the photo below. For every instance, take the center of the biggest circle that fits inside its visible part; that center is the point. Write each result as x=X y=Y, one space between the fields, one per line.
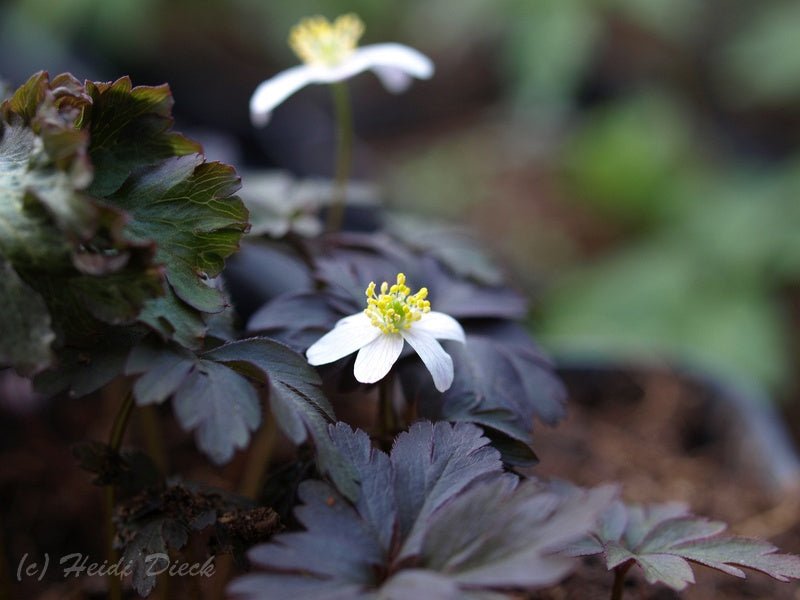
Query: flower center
x=396 y=308
x=317 y=41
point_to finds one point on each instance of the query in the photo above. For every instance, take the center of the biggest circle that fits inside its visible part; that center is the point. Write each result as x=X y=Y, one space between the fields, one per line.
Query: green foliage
x=700 y=290
x=758 y=65
x=625 y=175
x=548 y=50
x=96 y=193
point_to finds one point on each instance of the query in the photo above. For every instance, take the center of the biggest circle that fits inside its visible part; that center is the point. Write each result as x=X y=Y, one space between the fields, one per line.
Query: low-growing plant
x=114 y=231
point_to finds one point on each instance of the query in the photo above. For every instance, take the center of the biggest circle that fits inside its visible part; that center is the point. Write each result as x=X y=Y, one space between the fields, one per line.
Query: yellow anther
x=317 y=41
x=395 y=308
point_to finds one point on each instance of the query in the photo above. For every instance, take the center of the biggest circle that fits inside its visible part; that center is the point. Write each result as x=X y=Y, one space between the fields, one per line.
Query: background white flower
x=329 y=53
x=379 y=332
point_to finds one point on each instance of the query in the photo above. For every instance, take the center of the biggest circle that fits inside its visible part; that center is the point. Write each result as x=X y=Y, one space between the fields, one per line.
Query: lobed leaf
x=296 y=399
x=214 y=401
x=130 y=127
x=27 y=334
x=186 y=205
x=213 y=394
x=107 y=218
x=502 y=382
x=436 y=517
x=664 y=539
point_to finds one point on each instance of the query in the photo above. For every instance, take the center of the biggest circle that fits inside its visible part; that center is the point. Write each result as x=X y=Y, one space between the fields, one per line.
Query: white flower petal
x=393 y=79
x=375 y=359
x=359 y=317
x=350 y=334
x=440 y=326
x=394 y=56
x=392 y=63
x=273 y=91
x=433 y=355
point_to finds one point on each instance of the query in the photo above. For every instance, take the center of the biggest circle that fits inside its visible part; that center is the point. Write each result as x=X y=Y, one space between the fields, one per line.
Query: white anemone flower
x=328 y=51
x=380 y=331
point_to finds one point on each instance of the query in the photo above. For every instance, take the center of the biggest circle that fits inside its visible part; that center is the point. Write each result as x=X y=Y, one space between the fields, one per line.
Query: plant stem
x=258 y=460
x=387 y=420
x=619 y=581
x=250 y=486
x=153 y=439
x=121 y=423
x=114 y=443
x=344 y=154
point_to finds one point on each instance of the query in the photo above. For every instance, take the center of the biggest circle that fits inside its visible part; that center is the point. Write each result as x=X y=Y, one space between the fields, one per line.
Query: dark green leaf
x=109 y=216
x=80 y=373
x=129 y=471
x=501 y=534
x=185 y=205
x=432 y=464
x=130 y=128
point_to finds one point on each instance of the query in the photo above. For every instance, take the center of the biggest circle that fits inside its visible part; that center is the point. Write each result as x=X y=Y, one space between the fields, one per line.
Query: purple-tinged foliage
x=502 y=380
x=213 y=395
x=436 y=514
x=664 y=538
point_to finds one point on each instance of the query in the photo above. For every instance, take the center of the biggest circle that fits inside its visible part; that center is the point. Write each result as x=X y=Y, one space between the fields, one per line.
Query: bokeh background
x=635 y=163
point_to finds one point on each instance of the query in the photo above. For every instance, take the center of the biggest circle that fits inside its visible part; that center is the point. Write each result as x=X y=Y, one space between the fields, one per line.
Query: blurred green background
x=636 y=163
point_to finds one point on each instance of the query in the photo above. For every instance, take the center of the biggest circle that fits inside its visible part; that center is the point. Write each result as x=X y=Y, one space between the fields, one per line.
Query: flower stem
x=344 y=154
x=114 y=443
x=619 y=581
x=387 y=420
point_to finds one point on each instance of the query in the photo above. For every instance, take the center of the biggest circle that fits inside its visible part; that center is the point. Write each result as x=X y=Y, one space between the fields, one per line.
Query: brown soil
x=661 y=440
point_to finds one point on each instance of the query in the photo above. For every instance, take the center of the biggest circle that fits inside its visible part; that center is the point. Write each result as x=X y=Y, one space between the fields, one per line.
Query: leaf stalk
x=619 y=580
x=114 y=443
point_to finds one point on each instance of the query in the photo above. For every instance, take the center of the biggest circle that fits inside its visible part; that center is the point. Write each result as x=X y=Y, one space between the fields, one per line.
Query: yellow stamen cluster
x=317 y=41
x=396 y=308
